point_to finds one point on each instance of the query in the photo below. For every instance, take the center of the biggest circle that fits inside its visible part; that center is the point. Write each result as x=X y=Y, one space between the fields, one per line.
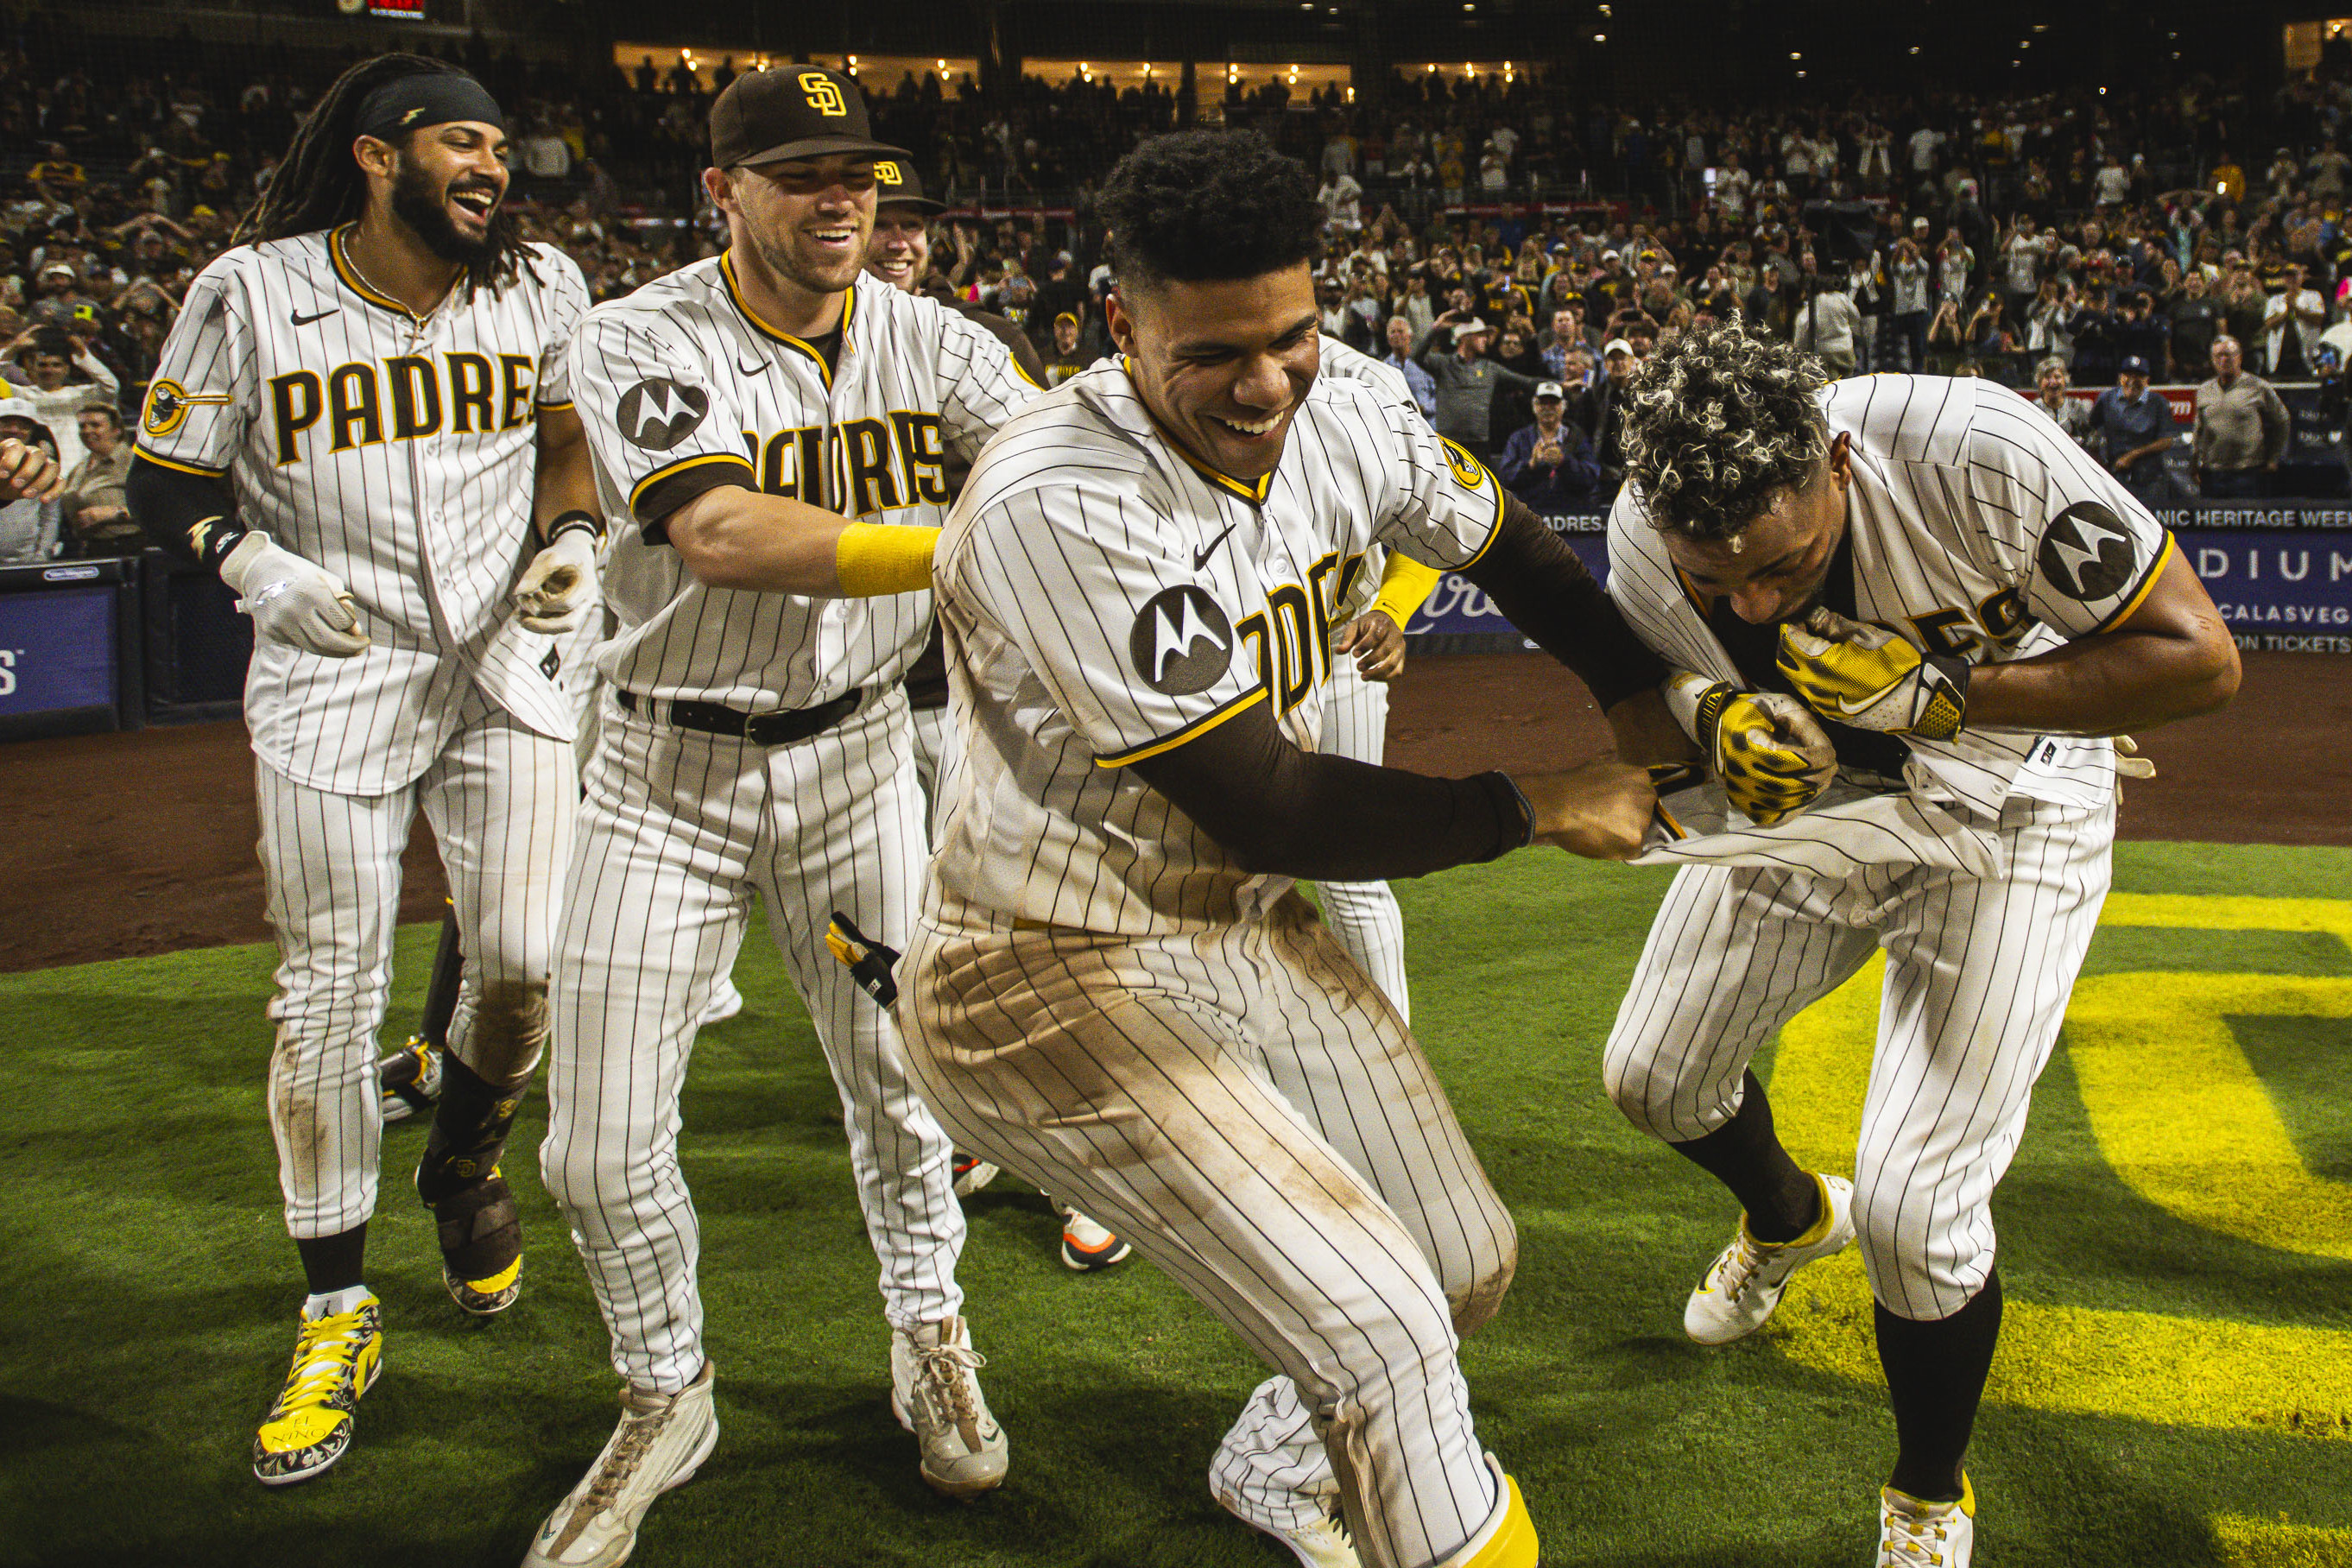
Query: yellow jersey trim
x=735 y=293
x=1197 y=728
x=145 y=456
x=2147 y=586
x=555 y=407
x=636 y=491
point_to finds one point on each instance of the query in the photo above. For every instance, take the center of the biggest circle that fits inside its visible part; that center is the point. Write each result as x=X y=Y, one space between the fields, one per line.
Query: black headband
x=435 y=97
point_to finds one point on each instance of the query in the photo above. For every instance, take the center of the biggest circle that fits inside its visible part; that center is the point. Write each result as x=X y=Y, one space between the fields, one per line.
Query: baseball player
x=742 y=412
x=1967 y=602
x=1112 y=990
x=1364 y=916
x=379 y=375
x=901 y=255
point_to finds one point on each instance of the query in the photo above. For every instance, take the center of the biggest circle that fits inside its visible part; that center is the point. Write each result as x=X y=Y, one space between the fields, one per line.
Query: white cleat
x=1088 y=1245
x=1743 y=1285
x=1322 y=1544
x=662 y=1440
x=1914 y=1535
x=935 y=1394
x=725 y=1003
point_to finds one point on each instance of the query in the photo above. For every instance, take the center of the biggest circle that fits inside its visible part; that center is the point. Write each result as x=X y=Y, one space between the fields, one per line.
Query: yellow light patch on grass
x=2181 y=1115
x=2261 y=1543
x=2193 y=911
x=2136 y=1366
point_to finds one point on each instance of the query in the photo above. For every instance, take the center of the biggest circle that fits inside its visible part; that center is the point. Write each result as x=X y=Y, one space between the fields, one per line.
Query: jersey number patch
x=1182 y=642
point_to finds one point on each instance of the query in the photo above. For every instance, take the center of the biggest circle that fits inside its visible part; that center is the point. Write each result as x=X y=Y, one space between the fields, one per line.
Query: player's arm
x=2170 y=659
x=558 y=587
x=666 y=436
x=1375 y=639
x=1275 y=808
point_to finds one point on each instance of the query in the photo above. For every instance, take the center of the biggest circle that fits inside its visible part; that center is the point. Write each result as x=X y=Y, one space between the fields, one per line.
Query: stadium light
x=1600 y=37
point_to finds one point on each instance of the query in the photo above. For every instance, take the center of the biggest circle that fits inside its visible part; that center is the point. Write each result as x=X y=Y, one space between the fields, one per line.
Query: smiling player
x=362 y=420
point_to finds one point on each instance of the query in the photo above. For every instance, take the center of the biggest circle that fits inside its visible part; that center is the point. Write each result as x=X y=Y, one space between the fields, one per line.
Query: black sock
x=332 y=1263
x=1935 y=1376
x=1780 y=1196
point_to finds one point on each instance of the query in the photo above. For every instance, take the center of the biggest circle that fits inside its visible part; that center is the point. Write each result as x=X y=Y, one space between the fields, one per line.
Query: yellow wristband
x=877 y=558
x=1404 y=585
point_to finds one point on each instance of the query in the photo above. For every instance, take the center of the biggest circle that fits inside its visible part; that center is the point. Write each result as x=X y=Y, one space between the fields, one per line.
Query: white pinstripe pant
x=1976 y=980
x=1252 y=1114
x=677 y=831
x=1364 y=915
x=501 y=799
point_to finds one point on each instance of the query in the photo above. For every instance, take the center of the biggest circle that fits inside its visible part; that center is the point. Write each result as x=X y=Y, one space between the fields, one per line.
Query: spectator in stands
x=1398 y=358
x=1467 y=382
x=2295 y=317
x=2137 y=428
x=1548 y=464
x=45 y=362
x=91 y=509
x=2070 y=414
x=1827 y=325
x=2196 y=317
x=29 y=527
x=1066 y=360
x=2242 y=428
x=2141 y=332
x=1947 y=342
x=1907 y=311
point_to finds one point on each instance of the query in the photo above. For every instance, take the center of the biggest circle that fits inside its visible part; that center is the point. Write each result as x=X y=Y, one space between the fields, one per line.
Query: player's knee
x=1635 y=1088
x=1922 y=1264
x=1474 y=1301
x=503 y=1039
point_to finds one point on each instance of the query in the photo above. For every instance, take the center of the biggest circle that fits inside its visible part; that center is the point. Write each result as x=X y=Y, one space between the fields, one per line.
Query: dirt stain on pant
x=507 y=1033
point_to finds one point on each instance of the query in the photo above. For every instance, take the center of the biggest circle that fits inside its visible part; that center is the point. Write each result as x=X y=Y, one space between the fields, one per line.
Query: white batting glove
x=2129 y=764
x=292 y=600
x=1867 y=677
x=1771 y=752
x=558 y=587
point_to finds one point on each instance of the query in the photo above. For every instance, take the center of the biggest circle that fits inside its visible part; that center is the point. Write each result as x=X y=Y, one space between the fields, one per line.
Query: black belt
x=780 y=729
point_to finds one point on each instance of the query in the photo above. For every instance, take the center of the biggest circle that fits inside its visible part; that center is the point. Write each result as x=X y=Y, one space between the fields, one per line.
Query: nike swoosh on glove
x=1867 y=677
x=558 y=587
x=1766 y=746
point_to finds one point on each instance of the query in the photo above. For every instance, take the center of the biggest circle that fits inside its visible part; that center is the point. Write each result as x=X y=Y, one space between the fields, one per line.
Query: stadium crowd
x=1514 y=250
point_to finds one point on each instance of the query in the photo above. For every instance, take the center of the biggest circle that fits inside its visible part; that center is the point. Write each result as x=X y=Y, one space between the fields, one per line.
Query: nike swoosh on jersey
x=300 y=320
x=1201 y=556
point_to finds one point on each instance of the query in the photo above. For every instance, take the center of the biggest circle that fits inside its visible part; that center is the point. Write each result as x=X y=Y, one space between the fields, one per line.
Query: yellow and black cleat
x=869 y=962
x=337 y=1359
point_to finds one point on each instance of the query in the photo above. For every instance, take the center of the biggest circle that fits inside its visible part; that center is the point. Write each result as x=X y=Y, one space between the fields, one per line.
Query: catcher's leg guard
x=480 y=1233
x=411 y=1077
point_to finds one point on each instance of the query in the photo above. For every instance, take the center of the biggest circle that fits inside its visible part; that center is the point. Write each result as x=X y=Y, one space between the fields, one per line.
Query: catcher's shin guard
x=481 y=1231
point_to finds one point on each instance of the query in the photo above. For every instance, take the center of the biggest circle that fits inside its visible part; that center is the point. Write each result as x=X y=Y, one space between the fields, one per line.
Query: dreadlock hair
x=1208 y=206
x=1717 y=422
x=318 y=186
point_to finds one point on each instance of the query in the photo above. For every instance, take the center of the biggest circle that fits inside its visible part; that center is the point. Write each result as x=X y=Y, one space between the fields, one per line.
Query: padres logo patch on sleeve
x=1182 y=642
x=2088 y=554
x=657 y=413
x=168 y=404
x=1466 y=469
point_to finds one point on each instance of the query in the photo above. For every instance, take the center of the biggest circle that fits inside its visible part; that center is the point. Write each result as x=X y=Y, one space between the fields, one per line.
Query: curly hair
x=1203 y=206
x=1717 y=422
x=319 y=184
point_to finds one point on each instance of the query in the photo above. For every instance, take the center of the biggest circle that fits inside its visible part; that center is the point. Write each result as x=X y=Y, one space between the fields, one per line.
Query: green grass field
x=2176 y=1244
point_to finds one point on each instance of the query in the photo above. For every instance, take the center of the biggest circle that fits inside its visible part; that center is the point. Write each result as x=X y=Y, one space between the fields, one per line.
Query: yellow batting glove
x=1867 y=677
x=1771 y=755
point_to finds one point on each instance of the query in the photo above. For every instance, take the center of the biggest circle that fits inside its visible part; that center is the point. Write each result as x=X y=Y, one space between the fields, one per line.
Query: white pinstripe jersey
x=1978 y=530
x=397 y=454
x=1107 y=598
x=1351 y=364
x=682 y=375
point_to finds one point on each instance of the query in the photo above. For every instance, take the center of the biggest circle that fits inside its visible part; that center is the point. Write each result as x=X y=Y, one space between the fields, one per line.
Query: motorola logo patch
x=1182 y=642
x=2087 y=555
x=657 y=413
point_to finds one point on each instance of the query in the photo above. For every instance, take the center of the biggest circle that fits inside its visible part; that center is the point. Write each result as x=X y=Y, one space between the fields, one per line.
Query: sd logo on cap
x=802 y=112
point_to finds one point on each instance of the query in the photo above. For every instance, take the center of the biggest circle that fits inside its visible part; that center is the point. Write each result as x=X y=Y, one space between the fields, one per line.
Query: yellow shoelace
x=325 y=1357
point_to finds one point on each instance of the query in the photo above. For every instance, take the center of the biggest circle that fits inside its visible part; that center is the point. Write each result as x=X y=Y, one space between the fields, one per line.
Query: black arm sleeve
x=1274 y=808
x=172 y=507
x=1541 y=587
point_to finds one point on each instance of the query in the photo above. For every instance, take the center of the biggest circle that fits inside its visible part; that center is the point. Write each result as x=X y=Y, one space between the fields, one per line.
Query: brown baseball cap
x=791 y=112
x=895 y=180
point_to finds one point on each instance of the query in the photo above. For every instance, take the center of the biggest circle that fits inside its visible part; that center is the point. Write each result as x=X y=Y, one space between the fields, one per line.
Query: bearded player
x=1969 y=604
x=362 y=420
